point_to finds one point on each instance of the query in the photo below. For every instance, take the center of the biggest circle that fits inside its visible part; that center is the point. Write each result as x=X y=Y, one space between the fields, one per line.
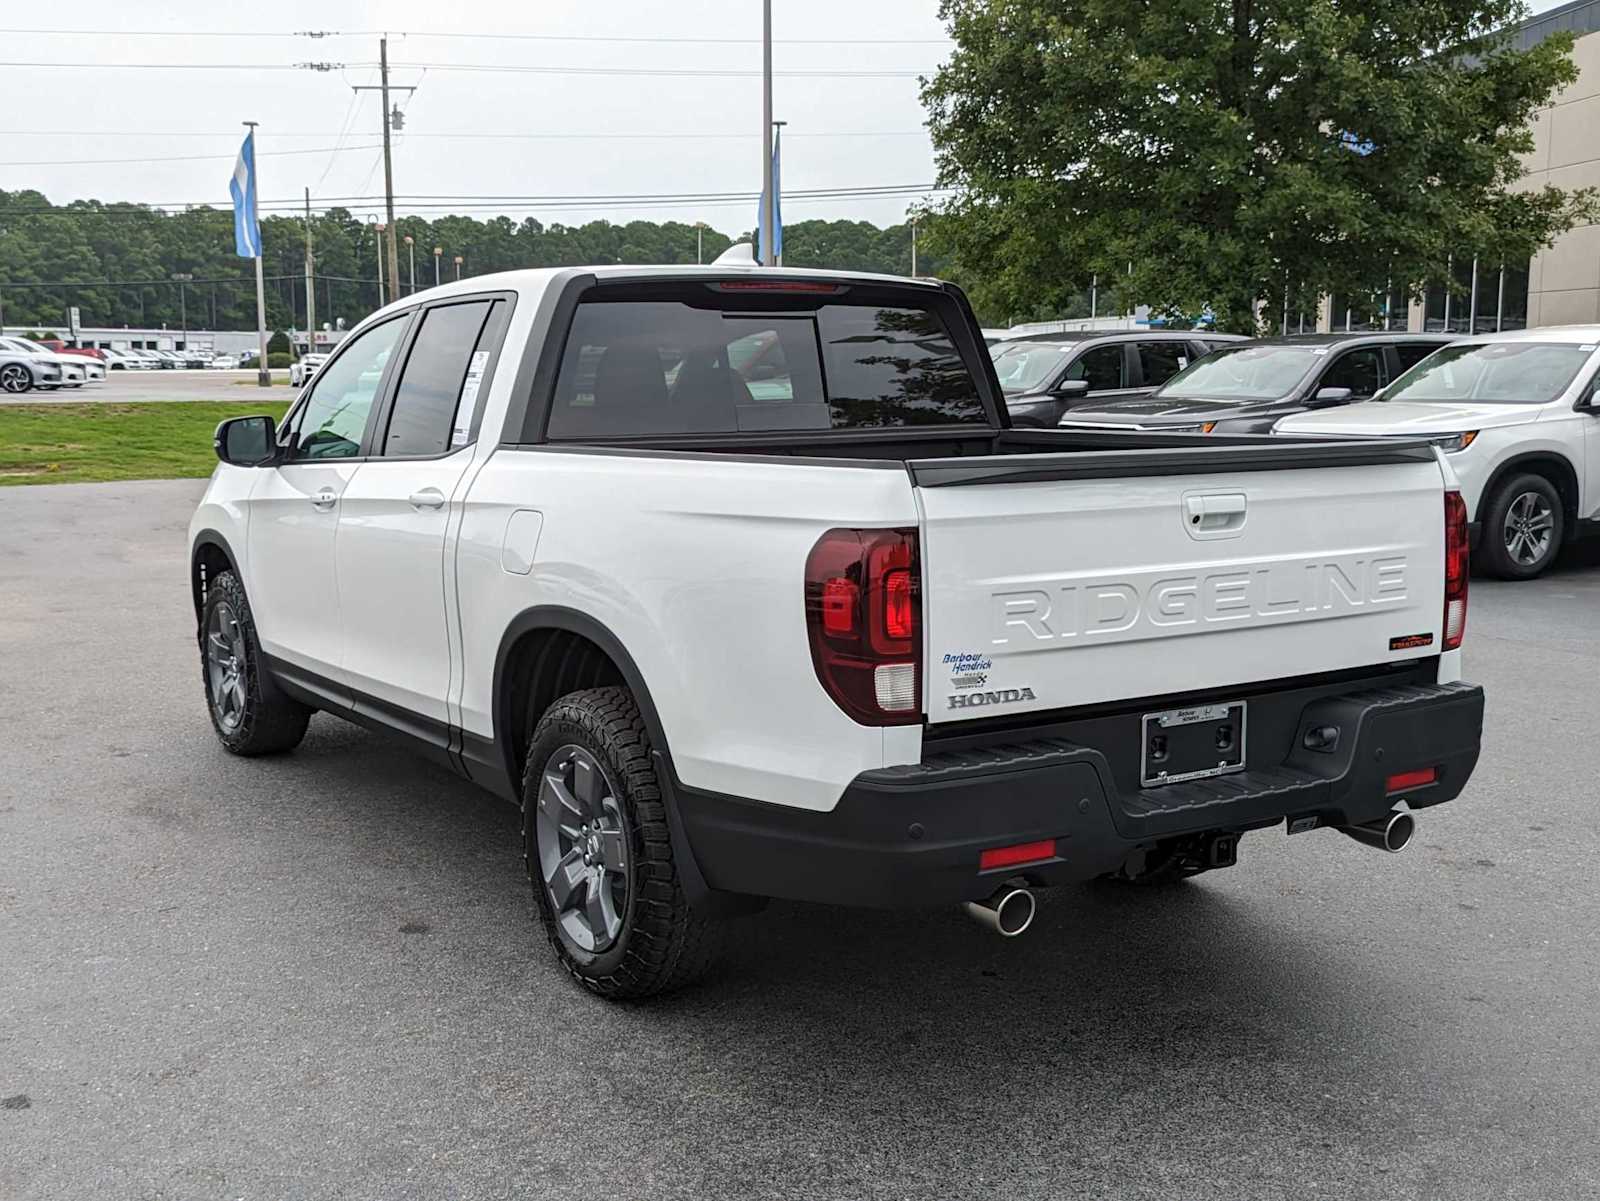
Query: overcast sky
x=845 y=131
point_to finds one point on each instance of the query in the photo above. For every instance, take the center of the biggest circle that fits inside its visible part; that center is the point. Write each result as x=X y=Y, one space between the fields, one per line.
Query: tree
x=1235 y=153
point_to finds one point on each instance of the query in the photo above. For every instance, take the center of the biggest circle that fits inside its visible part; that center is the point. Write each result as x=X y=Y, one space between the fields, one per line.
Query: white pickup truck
x=737 y=582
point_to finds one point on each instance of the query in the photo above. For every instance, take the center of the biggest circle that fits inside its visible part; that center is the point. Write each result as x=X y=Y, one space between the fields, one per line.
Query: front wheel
x=595 y=837
x=1522 y=528
x=249 y=713
x=15 y=378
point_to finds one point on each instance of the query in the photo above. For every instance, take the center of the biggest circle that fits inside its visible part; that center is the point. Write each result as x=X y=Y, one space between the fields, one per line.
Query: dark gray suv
x=1044 y=375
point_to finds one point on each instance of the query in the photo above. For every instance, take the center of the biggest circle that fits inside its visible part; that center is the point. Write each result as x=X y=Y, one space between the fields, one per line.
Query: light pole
x=411 y=253
x=699 y=241
x=182 y=278
x=913 y=248
x=437 y=251
x=381 y=227
x=458 y=267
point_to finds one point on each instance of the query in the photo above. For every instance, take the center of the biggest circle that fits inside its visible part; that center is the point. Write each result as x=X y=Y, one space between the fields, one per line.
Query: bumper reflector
x=1413 y=779
x=1023 y=852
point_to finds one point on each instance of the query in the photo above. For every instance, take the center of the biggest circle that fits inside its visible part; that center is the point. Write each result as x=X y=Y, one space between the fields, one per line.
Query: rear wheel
x=15 y=378
x=595 y=837
x=248 y=711
x=1522 y=528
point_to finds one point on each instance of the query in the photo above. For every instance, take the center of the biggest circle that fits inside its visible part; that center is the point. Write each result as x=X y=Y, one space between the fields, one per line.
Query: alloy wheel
x=582 y=848
x=1529 y=528
x=14 y=377
x=225 y=660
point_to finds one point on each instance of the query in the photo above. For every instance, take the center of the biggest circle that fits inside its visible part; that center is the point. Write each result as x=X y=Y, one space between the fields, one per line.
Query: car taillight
x=1457 y=562
x=864 y=618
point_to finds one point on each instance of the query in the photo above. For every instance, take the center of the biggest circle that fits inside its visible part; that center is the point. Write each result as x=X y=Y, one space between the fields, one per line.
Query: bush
x=279 y=358
x=279 y=342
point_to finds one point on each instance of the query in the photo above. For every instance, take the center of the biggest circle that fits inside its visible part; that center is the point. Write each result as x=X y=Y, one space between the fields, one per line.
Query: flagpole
x=765 y=231
x=263 y=375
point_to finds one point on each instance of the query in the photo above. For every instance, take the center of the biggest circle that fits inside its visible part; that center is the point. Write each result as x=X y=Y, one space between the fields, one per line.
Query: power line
x=170 y=158
x=643 y=135
x=683 y=72
x=496 y=37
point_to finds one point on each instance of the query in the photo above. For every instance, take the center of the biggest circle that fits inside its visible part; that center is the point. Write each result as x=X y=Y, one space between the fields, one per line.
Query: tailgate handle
x=1214 y=514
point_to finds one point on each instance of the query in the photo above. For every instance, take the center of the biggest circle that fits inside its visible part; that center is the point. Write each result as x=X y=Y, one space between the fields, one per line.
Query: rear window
x=712 y=365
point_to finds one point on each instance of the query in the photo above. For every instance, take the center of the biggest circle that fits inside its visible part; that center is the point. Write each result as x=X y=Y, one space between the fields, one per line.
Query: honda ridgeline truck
x=737 y=582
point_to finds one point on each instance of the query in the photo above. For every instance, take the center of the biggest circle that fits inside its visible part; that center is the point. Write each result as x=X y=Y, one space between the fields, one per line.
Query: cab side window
x=331 y=421
x=1105 y=367
x=438 y=389
x=1162 y=360
x=1359 y=370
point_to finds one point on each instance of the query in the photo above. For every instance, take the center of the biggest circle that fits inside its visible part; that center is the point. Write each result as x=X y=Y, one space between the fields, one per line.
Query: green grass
x=85 y=443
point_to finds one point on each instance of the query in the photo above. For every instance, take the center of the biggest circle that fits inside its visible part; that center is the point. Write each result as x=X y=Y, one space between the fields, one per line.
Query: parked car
x=1045 y=375
x=854 y=641
x=1245 y=388
x=22 y=372
x=148 y=358
x=1518 y=418
x=303 y=368
x=225 y=362
x=74 y=372
x=121 y=360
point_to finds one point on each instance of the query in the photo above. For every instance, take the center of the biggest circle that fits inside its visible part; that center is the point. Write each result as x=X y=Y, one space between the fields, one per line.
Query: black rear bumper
x=912 y=835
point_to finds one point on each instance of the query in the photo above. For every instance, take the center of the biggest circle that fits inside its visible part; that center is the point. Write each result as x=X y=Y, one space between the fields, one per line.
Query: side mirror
x=1328 y=397
x=1072 y=389
x=245 y=441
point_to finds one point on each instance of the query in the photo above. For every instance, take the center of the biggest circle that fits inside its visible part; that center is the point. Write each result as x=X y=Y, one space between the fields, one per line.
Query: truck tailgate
x=1048 y=593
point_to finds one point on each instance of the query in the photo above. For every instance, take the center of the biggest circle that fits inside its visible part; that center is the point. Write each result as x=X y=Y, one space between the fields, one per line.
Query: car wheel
x=250 y=714
x=15 y=378
x=1522 y=528
x=595 y=838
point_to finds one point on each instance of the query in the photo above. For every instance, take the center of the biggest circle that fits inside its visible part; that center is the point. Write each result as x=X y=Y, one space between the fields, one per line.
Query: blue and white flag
x=246 y=229
x=777 y=205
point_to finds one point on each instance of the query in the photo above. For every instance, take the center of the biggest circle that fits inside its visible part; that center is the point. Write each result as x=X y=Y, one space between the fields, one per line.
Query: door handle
x=428 y=498
x=324 y=498
x=1214 y=515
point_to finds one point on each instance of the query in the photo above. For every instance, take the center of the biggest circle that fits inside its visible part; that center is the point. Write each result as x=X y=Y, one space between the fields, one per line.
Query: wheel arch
x=209 y=554
x=1550 y=464
x=547 y=651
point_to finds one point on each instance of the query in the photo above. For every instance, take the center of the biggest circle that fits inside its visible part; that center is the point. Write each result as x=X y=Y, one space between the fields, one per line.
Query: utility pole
x=311 y=290
x=396 y=120
x=768 y=259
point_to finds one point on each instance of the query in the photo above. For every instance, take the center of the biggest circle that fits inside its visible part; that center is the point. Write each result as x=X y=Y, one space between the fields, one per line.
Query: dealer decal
x=1410 y=642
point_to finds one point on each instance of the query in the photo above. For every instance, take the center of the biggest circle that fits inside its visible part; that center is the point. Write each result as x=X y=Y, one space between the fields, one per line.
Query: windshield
x=1262 y=372
x=1027 y=367
x=1527 y=373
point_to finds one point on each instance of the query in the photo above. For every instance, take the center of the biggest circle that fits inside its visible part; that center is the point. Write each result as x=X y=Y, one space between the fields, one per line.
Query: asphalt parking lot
x=319 y=976
x=123 y=386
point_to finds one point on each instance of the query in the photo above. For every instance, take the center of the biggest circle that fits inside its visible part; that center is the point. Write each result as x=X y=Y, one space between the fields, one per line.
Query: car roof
x=1571 y=334
x=1076 y=337
x=1347 y=337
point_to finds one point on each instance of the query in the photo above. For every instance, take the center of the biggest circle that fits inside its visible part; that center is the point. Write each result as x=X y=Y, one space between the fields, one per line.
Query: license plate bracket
x=1191 y=743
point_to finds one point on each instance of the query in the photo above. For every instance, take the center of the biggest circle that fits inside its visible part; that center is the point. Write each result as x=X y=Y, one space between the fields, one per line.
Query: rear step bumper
x=912 y=835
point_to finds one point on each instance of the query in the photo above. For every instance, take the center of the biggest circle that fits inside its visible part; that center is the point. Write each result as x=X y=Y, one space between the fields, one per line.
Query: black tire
x=253 y=717
x=660 y=944
x=1527 y=505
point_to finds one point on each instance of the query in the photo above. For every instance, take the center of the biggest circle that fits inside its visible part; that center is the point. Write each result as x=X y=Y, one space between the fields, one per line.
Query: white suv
x=1517 y=415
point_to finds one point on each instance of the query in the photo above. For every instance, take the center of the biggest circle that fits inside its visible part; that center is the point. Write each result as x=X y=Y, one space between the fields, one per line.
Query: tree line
x=116 y=261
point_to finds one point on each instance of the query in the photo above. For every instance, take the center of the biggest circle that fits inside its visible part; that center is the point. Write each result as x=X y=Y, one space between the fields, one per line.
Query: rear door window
x=1362 y=371
x=439 y=382
x=729 y=364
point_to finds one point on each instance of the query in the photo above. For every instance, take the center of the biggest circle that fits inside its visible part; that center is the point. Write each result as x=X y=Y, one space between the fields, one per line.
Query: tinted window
x=435 y=381
x=1359 y=370
x=330 y=423
x=1412 y=353
x=1160 y=361
x=667 y=366
x=1242 y=371
x=1104 y=367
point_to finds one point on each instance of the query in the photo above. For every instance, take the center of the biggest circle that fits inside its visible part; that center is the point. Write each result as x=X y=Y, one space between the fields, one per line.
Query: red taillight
x=1023 y=852
x=1401 y=781
x=864 y=617
x=1457 y=564
x=779 y=285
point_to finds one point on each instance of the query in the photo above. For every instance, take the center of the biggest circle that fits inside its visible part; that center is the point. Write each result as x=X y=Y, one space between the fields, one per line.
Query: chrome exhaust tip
x=1009 y=912
x=1392 y=834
